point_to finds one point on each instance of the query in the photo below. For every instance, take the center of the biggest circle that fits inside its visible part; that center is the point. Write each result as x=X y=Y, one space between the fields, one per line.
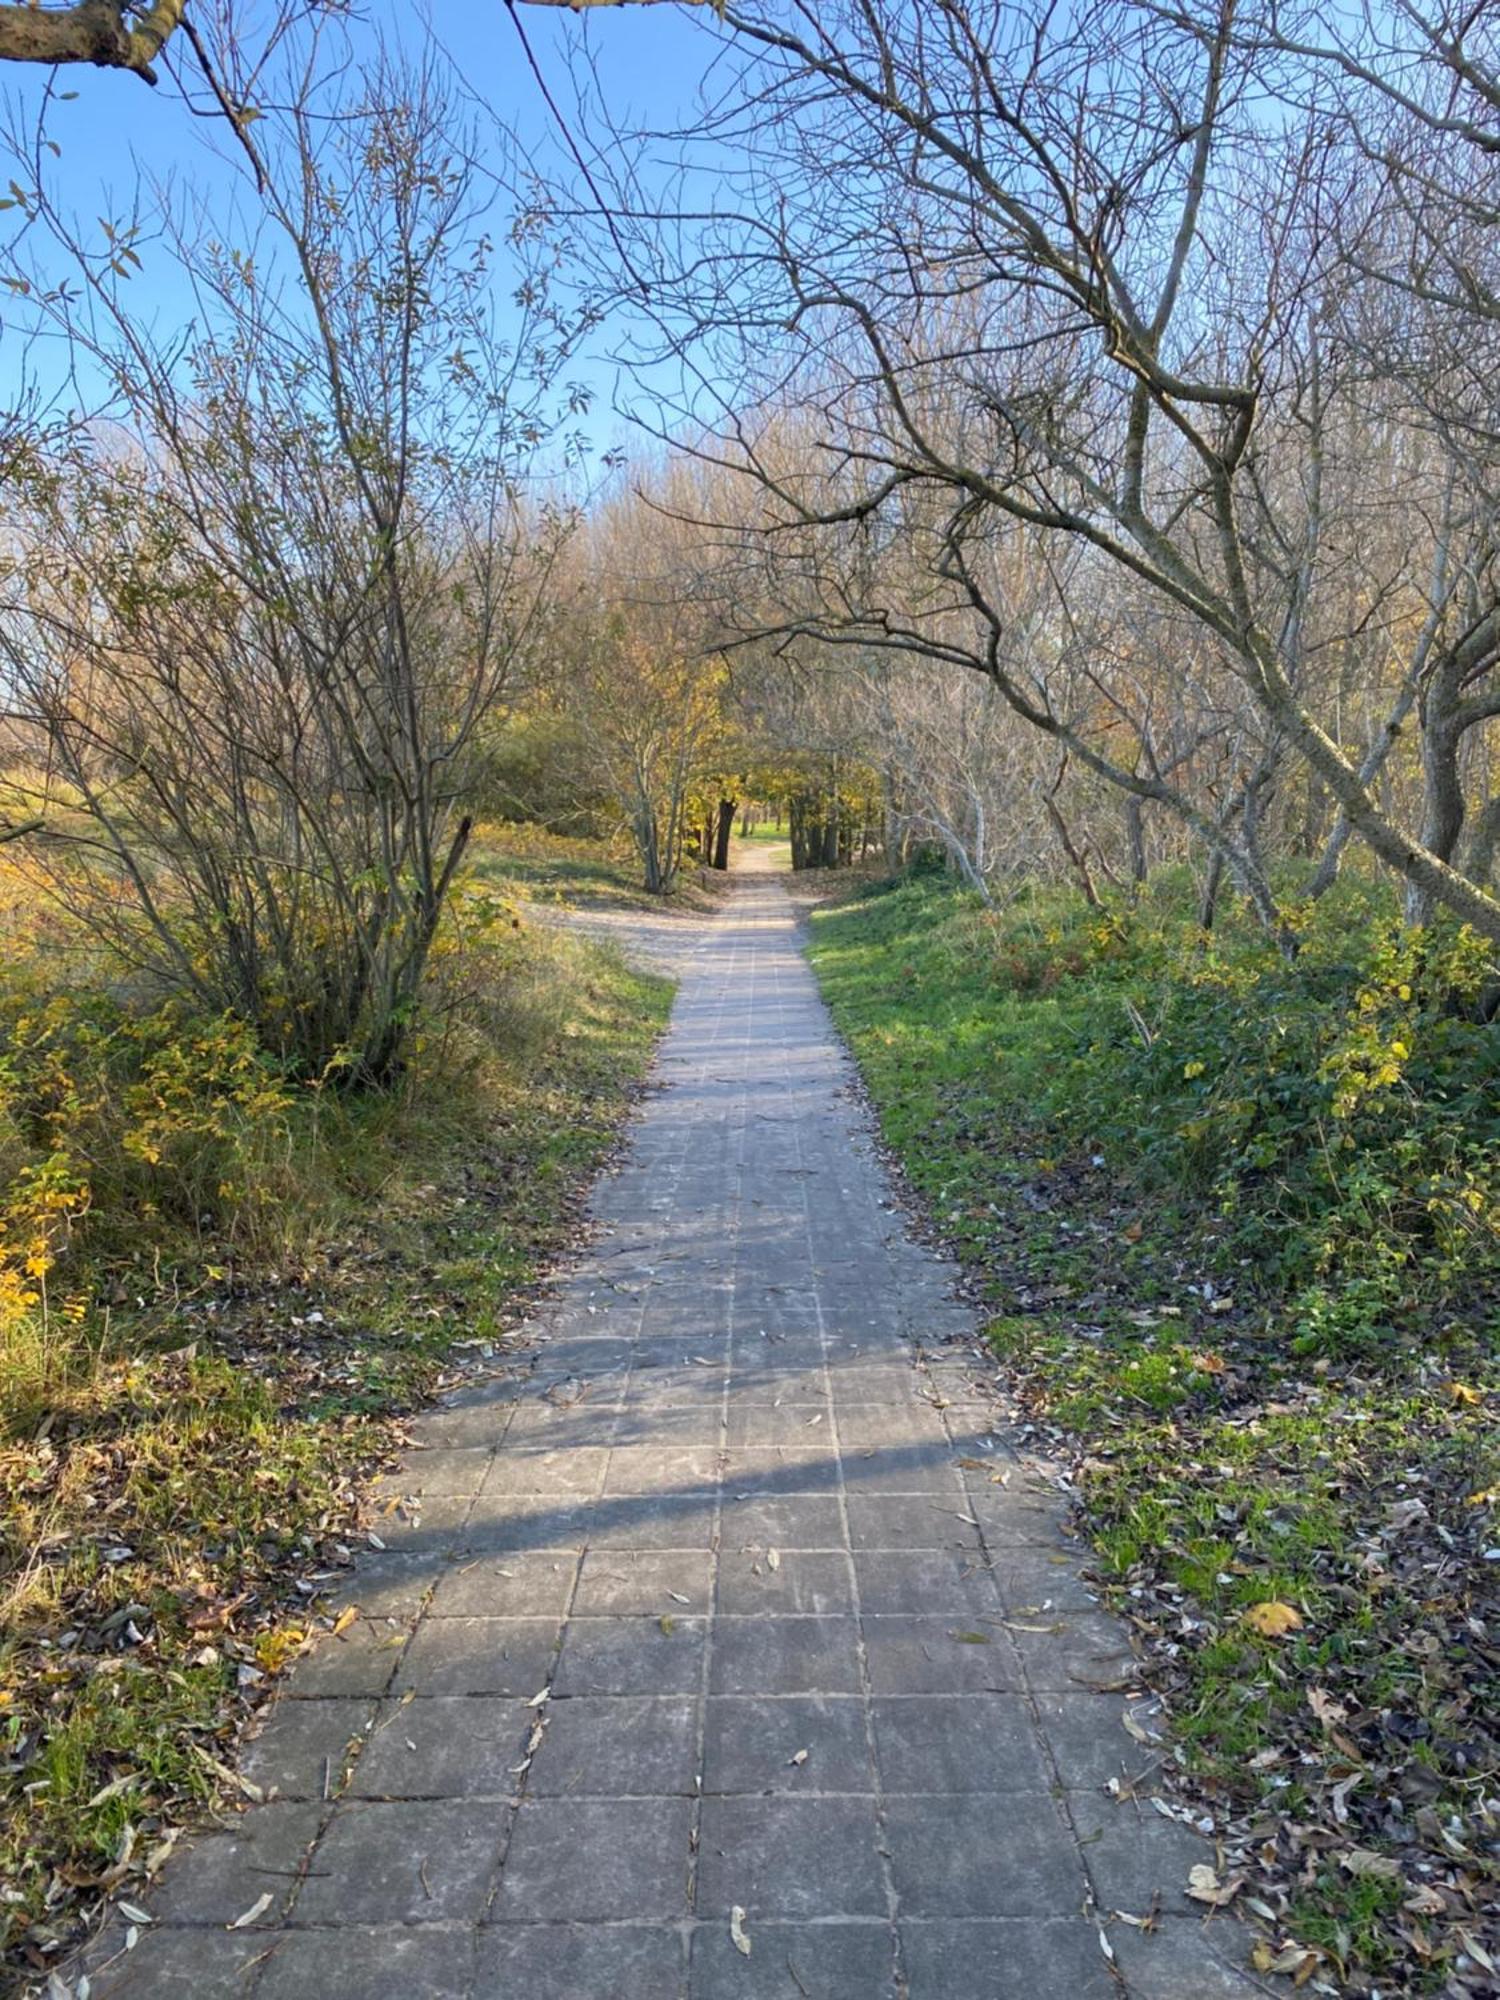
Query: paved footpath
x=726 y=1650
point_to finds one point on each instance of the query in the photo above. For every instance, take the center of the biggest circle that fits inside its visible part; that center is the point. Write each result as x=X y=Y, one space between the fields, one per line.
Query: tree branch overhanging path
x=996 y=296
x=112 y=34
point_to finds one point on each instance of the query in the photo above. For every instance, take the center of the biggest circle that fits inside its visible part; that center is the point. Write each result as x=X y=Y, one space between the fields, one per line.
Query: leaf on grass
x=1476 y=1951
x=1328 y=1711
x=1460 y=1392
x=1368 y=1865
x=1273 y=1620
x=1339 y=1793
x=1297 y=1959
x=257 y=1909
x=111 y=1791
x=738 y=1936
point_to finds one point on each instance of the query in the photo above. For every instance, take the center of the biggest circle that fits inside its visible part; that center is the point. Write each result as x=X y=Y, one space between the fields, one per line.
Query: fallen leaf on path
x=257 y=1909
x=1204 y=1886
x=222 y=1771
x=1133 y=1728
x=737 y=1934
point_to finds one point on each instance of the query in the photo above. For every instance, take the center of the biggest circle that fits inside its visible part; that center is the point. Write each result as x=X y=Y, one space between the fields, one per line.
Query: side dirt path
x=725 y=1651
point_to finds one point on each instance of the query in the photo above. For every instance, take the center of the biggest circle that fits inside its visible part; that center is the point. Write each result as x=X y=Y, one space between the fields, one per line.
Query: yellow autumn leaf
x=1487 y=1496
x=1273 y=1620
x=1460 y=1392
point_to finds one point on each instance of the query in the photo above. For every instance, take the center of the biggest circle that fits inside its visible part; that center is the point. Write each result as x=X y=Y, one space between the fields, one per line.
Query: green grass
x=184 y=1429
x=1239 y=1223
x=541 y=867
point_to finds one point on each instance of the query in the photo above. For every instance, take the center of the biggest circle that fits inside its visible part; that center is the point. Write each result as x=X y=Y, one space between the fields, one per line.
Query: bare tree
x=255 y=624
x=637 y=674
x=1064 y=271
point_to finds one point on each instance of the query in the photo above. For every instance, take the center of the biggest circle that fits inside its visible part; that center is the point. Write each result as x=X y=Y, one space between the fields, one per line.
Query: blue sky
x=117 y=132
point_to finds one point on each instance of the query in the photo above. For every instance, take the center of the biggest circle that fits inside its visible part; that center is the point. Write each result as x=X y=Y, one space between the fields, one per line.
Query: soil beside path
x=723 y=1650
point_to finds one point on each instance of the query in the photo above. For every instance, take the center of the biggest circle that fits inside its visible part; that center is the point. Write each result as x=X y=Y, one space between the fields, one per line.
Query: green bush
x=1338 y=1114
x=1329 y=1124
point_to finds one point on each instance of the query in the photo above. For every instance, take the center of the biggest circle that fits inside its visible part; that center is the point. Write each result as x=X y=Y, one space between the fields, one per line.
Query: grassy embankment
x=217 y=1292
x=1238 y=1225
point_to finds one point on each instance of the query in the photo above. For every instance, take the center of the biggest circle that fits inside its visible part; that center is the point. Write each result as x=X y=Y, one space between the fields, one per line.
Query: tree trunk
x=1442 y=810
x=1135 y=834
x=650 y=851
x=720 y=855
x=1483 y=842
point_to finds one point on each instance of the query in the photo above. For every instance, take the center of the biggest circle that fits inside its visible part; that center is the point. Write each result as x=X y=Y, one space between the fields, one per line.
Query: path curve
x=726 y=1651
